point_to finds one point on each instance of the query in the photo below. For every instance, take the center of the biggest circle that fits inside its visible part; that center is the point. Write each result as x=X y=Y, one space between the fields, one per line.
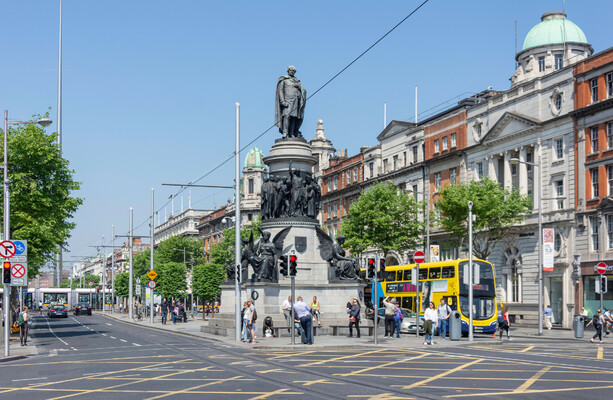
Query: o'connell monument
x=290 y=204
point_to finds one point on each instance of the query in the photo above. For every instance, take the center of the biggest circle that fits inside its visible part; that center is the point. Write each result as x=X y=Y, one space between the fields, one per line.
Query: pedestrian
x=216 y=309
x=207 y=309
x=286 y=308
x=608 y=319
x=583 y=312
x=251 y=320
x=598 y=322
x=303 y=313
x=548 y=316
x=503 y=322
x=164 y=310
x=444 y=312
x=174 y=310
x=398 y=318
x=315 y=307
x=246 y=316
x=354 y=319
x=22 y=321
x=390 y=311
x=349 y=306
x=430 y=322
x=182 y=313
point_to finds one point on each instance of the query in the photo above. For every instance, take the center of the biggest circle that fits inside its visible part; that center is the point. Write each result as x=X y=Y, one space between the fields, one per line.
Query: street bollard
x=455 y=326
x=578 y=326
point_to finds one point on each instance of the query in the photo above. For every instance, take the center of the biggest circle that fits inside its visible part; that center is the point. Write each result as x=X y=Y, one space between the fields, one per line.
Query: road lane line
x=29 y=379
x=531 y=381
x=136 y=344
x=600 y=354
x=112 y=337
x=54 y=334
x=441 y=375
x=527 y=349
x=123 y=340
x=104 y=334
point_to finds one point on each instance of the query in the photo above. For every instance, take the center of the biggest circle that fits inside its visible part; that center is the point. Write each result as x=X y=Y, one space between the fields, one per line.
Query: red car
x=83 y=308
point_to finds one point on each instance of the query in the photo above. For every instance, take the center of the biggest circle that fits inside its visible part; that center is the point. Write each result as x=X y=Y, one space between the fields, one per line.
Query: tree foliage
x=495 y=208
x=42 y=204
x=122 y=286
x=382 y=218
x=207 y=279
x=171 y=280
x=222 y=252
x=66 y=283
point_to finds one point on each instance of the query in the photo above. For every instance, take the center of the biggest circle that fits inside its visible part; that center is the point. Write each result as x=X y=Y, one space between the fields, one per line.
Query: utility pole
x=113 y=268
x=470 y=271
x=237 y=229
x=131 y=280
x=151 y=253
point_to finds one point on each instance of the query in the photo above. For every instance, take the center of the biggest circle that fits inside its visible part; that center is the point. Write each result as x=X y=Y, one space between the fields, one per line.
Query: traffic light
x=371 y=268
x=7 y=272
x=381 y=268
x=283 y=266
x=293 y=264
x=603 y=284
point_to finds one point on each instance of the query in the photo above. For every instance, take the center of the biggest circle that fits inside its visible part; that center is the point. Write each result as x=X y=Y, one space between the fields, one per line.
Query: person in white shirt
x=286 y=307
x=430 y=322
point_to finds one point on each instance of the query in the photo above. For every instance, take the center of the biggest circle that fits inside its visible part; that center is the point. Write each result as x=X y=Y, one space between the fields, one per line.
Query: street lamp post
x=7 y=220
x=539 y=236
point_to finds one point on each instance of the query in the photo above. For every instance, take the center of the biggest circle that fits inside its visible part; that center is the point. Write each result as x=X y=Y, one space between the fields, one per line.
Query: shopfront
x=591 y=299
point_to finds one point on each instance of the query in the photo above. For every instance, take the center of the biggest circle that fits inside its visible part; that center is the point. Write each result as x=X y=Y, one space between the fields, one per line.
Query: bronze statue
x=266 y=255
x=290 y=99
x=345 y=267
x=246 y=255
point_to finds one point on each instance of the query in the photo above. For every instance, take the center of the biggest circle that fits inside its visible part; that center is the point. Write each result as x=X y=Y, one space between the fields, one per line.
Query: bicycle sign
x=152 y=284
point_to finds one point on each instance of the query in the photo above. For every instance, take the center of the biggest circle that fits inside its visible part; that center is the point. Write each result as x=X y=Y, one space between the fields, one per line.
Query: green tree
x=171 y=280
x=42 y=187
x=222 y=252
x=382 y=218
x=66 y=284
x=91 y=278
x=122 y=286
x=495 y=209
x=207 y=279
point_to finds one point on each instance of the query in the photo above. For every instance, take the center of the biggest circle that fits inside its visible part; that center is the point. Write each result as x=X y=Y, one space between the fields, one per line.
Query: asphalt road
x=93 y=357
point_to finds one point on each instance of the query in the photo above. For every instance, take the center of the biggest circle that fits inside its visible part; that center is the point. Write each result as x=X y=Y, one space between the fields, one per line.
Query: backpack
x=20 y=320
x=255 y=315
x=398 y=316
x=596 y=320
x=501 y=319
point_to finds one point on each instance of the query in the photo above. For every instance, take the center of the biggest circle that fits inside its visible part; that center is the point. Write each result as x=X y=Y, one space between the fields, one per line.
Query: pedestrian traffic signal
x=7 y=272
x=371 y=268
x=381 y=268
x=283 y=266
x=603 y=284
x=293 y=264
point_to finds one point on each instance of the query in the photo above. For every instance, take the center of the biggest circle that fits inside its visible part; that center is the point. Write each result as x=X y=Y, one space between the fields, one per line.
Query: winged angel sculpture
x=265 y=254
x=345 y=267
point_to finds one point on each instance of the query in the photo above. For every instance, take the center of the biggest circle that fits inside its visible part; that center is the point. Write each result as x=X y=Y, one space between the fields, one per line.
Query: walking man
x=286 y=307
x=548 y=316
x=390 y=312
x=443 y=312
x=164 y=311
x=303 y=314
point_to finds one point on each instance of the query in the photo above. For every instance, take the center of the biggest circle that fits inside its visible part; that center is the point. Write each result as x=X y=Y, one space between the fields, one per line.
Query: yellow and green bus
x=443 y=280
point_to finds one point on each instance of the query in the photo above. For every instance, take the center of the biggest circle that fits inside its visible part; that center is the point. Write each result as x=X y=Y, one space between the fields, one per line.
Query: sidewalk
x=192 y=328
x=16 y=350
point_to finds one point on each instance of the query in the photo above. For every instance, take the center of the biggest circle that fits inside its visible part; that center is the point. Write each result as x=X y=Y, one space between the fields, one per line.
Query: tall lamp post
x=7 y=221
x=539 y=235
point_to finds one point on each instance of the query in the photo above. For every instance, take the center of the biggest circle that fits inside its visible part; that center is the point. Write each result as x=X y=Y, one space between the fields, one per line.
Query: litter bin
x=578 y=326
x=455 y=326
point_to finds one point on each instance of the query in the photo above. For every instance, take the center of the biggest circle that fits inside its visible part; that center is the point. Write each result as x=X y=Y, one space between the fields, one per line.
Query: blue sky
x=149 y=86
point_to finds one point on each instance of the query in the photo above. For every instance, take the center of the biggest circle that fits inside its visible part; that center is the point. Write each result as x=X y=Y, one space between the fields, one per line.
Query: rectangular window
x=513 y=169
x=251 y=185
x=335 y=213
x=335 y=182
x=559 y=61
x=480 y=170
x=385 y=166
x=395 y=161
x=559 y=187
x=594 y=173
x=453 y=174
x=529 y=158
x=445 y=143
x=436 y=146
x=610 y=230
x=371 y=169
x=594 y=90
x=610 y=84
x=329 y=211
x=415 y=192
x=454 y=141
x=559 y=143
x=610 y=178
x=594 y=138
x=355 y=174
x=348 y=181
x=414 y=154
x=329 y=184
x=610 y=135
x=249 y=217
x=541 y=63
x=595 y=228
x=437 y=180
x=404 y=155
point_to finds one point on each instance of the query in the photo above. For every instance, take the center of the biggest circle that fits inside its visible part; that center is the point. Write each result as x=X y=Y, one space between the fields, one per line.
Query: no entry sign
x=601 y=268
x=419 y=257
x=18 y=271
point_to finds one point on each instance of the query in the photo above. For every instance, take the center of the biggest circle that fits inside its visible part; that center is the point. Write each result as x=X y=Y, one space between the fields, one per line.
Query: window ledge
x=593 y=154
x=608 y=151
x=593 y=200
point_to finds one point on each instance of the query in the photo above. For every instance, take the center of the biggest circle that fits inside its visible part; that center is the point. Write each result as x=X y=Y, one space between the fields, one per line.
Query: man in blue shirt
x=303 y=314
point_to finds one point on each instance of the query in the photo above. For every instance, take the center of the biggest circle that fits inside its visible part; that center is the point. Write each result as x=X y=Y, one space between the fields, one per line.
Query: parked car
x=408 y=323
x=57 y=310
x=83 y=308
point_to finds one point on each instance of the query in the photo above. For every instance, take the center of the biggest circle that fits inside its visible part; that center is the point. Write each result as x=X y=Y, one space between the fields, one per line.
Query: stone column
x=508 y=182
x=523 y=171
x=492 y=168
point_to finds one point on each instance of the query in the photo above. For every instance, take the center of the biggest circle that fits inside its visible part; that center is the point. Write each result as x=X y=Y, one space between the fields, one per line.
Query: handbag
x=351 y=319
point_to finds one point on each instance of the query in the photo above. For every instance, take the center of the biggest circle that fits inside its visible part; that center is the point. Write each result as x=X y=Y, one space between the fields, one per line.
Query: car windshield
x=83 y=305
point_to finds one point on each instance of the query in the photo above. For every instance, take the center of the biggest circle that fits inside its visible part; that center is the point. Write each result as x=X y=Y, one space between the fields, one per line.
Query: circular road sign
x=7 y=249
x=419 y=257
x=151 y=284
x=601 y=268
x=18 y=271
x=91 y=283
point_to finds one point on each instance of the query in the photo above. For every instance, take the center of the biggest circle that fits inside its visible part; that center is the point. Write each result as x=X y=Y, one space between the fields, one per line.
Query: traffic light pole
x=375 y=300
x=293 y=293
x=470 y=272
x=601 y=292
x=7 y=287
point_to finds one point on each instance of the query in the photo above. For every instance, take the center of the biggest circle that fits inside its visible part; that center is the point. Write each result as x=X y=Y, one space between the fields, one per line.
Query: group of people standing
x=304 y=314
x=176 y=310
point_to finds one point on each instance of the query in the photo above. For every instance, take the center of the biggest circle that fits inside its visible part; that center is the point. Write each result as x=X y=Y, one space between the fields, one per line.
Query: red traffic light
x=371 y=261
x=7 y=265
x=293 y=258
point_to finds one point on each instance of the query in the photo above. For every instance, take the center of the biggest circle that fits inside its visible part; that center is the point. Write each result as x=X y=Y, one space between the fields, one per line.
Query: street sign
x=152 y=284
x=138 y=288
x=7 y=249
x=18 y=271
x=19 y=274
x=419 y=257
x=152 y=275
x=91 y=283
x=601 y=268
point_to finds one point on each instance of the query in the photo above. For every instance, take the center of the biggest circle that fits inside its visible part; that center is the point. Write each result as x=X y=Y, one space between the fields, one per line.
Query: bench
x=276 y=330
x=336 y=329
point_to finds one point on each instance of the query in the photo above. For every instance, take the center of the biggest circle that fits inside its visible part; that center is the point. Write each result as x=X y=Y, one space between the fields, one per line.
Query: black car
x=57 y=310
x=83 y=308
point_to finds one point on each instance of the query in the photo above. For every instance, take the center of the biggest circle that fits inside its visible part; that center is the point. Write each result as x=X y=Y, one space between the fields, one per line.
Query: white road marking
x=125 y=341
x=73 y=348
x=91 y=373
x=125 y=376
x=57 y=337
x=136 y=344
x=113 y=337
x=104 y=334
x=108 y=323
x=52 y=352
x=29 y=379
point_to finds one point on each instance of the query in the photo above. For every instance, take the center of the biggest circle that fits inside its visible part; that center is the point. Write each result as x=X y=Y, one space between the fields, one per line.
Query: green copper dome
x=553 y=29
x=255 y=158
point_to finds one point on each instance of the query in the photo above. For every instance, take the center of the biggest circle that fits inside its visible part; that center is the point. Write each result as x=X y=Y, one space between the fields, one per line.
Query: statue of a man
x=346 y=268
x=290 y=99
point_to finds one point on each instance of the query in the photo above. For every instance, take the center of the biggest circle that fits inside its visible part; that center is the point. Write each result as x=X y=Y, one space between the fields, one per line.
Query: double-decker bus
x=443 y=280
